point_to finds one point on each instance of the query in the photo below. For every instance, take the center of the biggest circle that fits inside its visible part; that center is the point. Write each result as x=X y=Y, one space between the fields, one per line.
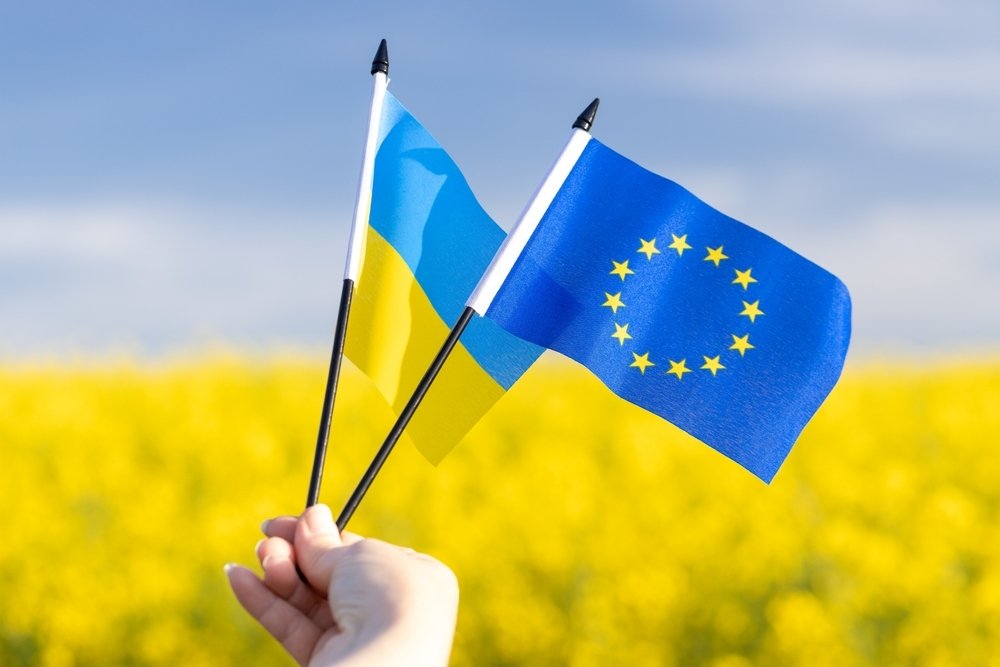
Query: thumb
x=317 y=540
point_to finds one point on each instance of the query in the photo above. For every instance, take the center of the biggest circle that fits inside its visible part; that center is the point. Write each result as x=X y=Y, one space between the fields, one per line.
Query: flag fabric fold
x=679 y=309
x=428 y=241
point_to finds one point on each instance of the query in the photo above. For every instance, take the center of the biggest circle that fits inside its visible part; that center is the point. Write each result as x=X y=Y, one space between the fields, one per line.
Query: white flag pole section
x=363 y=201
x=355 y=255
x=581 y=126
x=513 y=245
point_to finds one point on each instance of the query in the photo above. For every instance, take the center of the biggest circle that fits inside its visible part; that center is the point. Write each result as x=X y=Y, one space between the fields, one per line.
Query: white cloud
x=918 y=75
x=825 y=73
x=155 y=277
x=811 y=69
x=90 y=233
x=921 y=277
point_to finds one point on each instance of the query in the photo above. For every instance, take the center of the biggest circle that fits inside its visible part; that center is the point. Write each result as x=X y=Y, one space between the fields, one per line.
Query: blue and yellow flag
x=679 y=309
x=428 y=242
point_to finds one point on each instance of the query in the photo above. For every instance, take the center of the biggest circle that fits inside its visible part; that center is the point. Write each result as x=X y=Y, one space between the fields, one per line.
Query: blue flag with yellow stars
x=680 y=309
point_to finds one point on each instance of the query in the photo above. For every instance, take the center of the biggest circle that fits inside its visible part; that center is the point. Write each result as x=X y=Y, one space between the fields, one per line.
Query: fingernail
x=228 y=567
x=267 y=561
x=256 y=547
x=319 y=519
x=263 y=526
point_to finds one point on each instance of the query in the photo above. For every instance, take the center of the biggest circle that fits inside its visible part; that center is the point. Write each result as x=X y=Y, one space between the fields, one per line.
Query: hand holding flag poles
x=580 y=127
x=355 y=254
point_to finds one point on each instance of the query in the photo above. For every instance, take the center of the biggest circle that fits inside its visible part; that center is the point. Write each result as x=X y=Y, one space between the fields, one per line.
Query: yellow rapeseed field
x=583 y=531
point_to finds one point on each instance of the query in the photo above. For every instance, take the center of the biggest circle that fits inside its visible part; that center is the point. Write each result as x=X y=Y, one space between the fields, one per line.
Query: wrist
x=401 y=644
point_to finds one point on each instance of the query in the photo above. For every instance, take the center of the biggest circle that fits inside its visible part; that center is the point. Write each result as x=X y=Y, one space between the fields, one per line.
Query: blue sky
x=174 y=175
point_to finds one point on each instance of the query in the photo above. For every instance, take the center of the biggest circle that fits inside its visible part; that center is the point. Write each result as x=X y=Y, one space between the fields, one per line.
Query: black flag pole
x=583 y=122
x=404 y=418
x=380 y=68
x=332 y=378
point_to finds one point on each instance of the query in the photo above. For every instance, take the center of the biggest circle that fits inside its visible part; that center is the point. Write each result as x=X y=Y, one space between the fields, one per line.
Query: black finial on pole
x=381 y=61
x=586 y=119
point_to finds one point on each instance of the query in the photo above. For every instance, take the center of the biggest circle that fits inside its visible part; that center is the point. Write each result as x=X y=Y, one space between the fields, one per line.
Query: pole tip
x=381 y=61
x=586 y=119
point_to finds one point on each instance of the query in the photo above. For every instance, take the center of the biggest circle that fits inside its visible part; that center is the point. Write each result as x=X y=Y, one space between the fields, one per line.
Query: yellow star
x=744 y=278
x=614 y=302
x=621 y=269
x=751 y=310
x=712 y=364
x=678 y=368
x=715 y=255
x=641 y=362
x=741 y=344
x=621 y=333
x=680 y=244
x=648 y=248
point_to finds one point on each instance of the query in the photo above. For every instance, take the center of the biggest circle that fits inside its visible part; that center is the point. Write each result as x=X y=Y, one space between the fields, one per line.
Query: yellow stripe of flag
x=394 y=334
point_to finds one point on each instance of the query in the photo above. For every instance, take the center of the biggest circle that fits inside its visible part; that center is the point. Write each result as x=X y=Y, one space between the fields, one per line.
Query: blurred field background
x=583 y=531
x=178 y=174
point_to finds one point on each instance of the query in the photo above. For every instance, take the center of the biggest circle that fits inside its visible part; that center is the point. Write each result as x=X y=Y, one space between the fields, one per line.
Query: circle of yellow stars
x=744 y=278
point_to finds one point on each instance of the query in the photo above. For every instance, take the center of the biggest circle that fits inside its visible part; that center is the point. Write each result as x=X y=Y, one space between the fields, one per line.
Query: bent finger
x=296 y=633
x=278 y=561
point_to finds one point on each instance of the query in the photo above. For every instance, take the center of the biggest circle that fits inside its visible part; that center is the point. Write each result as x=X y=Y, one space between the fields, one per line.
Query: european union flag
x=679 y=309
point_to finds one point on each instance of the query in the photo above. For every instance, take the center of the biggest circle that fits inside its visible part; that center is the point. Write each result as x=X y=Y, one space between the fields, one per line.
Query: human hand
x=367 y=603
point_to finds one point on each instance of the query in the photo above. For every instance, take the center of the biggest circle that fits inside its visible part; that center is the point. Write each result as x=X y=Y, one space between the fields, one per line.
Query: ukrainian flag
x=428 y=243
